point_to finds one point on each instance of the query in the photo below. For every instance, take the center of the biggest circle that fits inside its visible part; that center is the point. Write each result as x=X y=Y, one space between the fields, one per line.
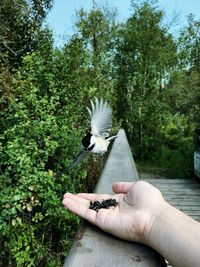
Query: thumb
x=122 y=187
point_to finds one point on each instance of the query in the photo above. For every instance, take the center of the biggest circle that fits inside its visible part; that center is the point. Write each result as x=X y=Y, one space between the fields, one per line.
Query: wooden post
x=94 y=248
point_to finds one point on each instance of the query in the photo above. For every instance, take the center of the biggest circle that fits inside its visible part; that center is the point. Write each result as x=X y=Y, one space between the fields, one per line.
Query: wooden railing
x=94 y=248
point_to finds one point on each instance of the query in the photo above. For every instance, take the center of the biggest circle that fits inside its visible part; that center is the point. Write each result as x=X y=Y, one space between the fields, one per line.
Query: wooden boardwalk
x=184 y=194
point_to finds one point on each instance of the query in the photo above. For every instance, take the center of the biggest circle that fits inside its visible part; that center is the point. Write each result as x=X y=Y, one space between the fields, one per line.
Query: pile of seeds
x=103 y=204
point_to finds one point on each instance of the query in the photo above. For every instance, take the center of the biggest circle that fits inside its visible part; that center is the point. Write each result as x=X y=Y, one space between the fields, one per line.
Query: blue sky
x=62 y=16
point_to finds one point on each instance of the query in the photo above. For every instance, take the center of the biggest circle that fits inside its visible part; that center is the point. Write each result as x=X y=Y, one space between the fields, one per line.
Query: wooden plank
x=93 y=247
x=184 y=198
x=197 y=218
x=190 y=208
x=192 y=212
x=177 y=186
x=184 y=194
x=180 y=187
x=119 y=166
x=172 y=181
x=188 y=193
x=189 y=203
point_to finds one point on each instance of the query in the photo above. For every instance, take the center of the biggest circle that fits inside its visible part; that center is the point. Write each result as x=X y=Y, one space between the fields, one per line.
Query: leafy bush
x=177 y=162
x=40 y=136
x=175 y=152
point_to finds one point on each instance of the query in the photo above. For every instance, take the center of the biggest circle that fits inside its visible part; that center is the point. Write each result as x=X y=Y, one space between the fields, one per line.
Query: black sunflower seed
x=104 y=204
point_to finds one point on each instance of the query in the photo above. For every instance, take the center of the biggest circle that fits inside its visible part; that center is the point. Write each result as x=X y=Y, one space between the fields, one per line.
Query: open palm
x=130 y=219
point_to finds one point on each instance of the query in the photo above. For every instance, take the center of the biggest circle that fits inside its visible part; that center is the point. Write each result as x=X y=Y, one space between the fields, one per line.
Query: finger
x=94 y=197
x=122 y=187
x=73 y=196
x=80 y=207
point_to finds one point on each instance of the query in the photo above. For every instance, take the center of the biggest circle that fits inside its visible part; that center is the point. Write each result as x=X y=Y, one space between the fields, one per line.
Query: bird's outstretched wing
x=100 y=117
x=78 y=158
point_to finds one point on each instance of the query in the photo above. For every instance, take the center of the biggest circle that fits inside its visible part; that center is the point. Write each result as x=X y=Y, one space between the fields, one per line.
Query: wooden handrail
x=92 y=247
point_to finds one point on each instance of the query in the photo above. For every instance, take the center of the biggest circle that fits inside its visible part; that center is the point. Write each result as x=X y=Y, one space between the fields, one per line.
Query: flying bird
x=97 y=140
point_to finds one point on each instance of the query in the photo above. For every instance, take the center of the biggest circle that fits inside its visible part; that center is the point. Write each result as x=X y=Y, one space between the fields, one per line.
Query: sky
x=61 y=18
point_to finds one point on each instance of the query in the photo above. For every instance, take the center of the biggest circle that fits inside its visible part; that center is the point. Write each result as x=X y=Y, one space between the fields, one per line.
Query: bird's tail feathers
x=66 y=170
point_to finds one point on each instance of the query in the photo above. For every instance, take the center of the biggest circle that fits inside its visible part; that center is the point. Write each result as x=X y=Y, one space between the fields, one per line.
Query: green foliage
x=20 y=29
x=178 y=162
x=97 y=30
x=185 y=84
x=175 y=152
x=40 y=135
x=146 y=53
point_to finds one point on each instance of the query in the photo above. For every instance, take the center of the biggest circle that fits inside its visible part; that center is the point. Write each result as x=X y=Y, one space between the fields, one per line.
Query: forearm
x=176 y=236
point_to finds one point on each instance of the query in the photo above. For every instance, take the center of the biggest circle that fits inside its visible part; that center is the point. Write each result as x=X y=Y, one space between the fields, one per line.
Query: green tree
x=189 y=54
x=146 y=53
x=181 y=96
x=21 y=22
x=183 y=87
x=97 y=30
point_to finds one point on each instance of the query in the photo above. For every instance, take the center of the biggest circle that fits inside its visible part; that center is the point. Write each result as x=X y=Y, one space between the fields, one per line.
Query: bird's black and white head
x=87 y=142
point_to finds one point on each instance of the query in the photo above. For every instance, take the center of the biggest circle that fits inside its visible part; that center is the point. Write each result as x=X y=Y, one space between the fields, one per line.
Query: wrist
x=156 y=219
x=175 y=236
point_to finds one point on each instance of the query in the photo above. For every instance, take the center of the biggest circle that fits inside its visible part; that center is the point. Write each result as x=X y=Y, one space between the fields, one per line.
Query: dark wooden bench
x=94 y=248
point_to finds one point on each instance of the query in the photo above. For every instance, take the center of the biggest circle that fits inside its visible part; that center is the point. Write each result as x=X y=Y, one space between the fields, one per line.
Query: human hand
x=131 y=219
